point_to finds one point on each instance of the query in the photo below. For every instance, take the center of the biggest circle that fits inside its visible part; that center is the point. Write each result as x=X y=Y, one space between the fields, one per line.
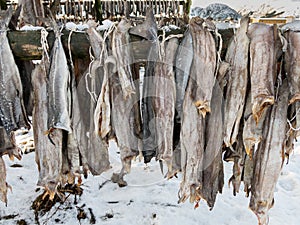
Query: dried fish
x=192 y=146
x=269 y=157
x=212 y=177
x=237 y=57
x=59 y=87
x=91 y=146
x=262 y=66
x=123 y=117
x=164 y=101
x=122 y=52
x=12 y=110
x=48 y=148
x=204 y=60
x=184 y=58
x=147 y=29
x=292 y=64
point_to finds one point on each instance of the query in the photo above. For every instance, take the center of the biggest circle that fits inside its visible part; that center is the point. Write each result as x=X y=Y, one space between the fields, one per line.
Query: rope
x=44 y=43
x=92 y=94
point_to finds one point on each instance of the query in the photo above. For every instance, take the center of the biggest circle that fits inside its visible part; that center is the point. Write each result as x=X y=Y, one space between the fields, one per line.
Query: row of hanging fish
x=193 y=106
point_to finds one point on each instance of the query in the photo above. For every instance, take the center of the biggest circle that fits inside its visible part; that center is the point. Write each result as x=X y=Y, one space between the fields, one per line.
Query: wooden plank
x=26 y=45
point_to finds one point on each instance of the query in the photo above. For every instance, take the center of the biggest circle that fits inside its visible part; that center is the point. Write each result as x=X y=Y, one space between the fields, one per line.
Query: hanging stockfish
x=164 y=100
x=183 y=62
x=122 y=52
x=203 y=64
x=93 y=149
x=292 y=62
x=237 y=57
x=201 y=140
x=269 y=157
x=12 y=110
x=123 y=109
x=263 y=59
x=148 y=30
x=212 y=177
x=48 y=148
x=58 y=86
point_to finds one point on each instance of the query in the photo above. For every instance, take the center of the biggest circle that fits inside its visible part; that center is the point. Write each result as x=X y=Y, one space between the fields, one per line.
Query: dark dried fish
x=237 y=57
x=12 y=110
x=269 y=157
x=263 y=61
x=212 y=177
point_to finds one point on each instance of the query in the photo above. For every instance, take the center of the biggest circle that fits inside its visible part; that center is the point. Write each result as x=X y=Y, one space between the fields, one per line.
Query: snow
x=148 y=198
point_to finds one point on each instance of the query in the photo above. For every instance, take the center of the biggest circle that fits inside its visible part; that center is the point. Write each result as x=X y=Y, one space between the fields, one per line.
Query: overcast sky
x=290 y=6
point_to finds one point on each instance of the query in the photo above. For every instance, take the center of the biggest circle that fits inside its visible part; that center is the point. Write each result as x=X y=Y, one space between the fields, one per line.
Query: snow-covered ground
x=148 y=198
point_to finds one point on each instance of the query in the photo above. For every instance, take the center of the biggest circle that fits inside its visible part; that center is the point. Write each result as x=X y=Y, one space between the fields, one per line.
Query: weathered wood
x=26 y=45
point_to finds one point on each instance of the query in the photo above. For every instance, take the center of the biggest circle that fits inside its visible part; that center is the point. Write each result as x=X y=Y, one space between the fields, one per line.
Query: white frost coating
x=106 y=25
x=30 y=27
x=294 y=26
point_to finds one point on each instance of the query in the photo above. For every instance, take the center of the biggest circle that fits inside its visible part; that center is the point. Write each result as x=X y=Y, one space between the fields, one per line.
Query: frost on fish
x=292 y=64
x=237 y=57
x=269 y=157
x=203 y=65
x=32 y=12
x=122 y=52
x=164 y=101
x=263 y=62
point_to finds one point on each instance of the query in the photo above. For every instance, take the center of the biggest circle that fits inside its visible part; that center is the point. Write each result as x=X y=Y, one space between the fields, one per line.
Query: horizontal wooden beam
x=26 y=45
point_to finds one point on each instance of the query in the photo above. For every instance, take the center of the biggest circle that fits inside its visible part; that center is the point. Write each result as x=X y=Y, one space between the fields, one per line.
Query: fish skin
x=292 y=64
x=123 y=116
x=183 y=62
x=192 y=147
x=269 y=157
x=150 y=144
x=237 y=57
x=102 y=115
x=48 y=147
x=164 y=101
x=206 y=59
x=12 y=109
x=263 y=59
x=121 y=50
x=212 y=177
x=91 y=146
x=59 y=87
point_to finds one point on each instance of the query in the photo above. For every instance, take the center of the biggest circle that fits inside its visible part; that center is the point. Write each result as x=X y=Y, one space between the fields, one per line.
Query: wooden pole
x=26 y=45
